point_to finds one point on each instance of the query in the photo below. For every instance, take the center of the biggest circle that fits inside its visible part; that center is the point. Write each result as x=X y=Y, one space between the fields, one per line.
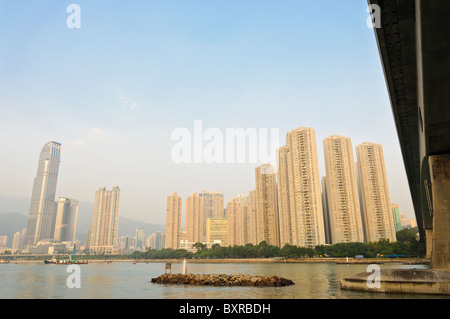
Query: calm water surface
x=125 y=280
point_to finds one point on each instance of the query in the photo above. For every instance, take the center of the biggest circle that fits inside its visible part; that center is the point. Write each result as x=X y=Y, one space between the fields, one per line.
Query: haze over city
x=113 y=91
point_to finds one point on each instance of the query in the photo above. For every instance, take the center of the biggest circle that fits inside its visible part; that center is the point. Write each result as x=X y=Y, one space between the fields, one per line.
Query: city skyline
x=120 y=122
x=259 y=143
x=362 y=184
x=292 y=205
x=216 y=208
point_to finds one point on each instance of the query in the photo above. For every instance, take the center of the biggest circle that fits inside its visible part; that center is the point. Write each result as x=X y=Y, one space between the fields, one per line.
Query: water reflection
x=121 y=280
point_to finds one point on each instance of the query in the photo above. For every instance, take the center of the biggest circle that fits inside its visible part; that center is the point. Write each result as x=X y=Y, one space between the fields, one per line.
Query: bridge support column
x=428 y=243
x=435 y=280
x=440 y=185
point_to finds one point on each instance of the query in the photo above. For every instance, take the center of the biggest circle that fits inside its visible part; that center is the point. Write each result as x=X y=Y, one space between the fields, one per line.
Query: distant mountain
x=14 y=216
x=10 y=204
x=10 y=223
x=128 y=227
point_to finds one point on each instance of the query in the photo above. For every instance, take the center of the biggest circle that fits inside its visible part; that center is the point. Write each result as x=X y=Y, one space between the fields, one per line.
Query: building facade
x=217 y=231
x=344 y=214
x=396 y=217
x=268 y=228
x=301 y=213
x=173 y=221
x=235 y=227
x=66 y=220
x=194 y=218
x=376 y=210
x=253 y=215
x=42 y=208
x=105 y=221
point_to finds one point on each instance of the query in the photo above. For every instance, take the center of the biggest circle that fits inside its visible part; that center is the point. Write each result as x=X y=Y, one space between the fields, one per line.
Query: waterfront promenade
x=340 y=260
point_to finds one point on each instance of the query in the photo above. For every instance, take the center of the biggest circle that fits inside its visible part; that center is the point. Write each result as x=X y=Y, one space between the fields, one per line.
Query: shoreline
x=336 y=260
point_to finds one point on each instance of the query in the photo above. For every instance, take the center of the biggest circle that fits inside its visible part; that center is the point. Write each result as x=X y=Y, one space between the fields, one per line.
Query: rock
x=222 y=280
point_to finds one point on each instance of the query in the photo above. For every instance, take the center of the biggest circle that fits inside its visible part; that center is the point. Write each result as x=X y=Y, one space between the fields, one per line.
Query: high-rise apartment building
x=3 y=241
x=217 y=230
x=66 y=220
x=41 y=215
x=140 y=243
x=194 y=218
x=344 y=211
x=252 y=215
x=300 y=201
x=268 y=228
x=247 y=221
x=234 y=216
x=326 y=214
x=87 y=241
x=212 y=206
x=288 y=233
x=105 y=220
x=374 y=193
x=156 y=240
x=218 y=205
x=396 y=217
x=127 y=243
x=243 y=199
x=17 y=242
x=173 y=221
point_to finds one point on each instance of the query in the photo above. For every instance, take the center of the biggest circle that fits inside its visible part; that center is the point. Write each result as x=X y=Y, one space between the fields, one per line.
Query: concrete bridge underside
x=413 y=39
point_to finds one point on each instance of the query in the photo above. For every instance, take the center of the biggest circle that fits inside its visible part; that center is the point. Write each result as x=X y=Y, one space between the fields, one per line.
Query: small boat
x=2 y=261
x=52 y=261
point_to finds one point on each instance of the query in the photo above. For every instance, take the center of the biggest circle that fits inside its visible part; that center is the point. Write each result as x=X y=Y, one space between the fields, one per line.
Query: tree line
x=406 y=245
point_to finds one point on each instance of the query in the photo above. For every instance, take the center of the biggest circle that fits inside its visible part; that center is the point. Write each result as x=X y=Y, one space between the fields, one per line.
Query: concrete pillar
x=440 y=185
x=184 y=266
x=428 y=242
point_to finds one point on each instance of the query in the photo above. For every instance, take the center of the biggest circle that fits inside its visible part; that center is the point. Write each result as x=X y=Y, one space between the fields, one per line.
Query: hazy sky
x=113 y=91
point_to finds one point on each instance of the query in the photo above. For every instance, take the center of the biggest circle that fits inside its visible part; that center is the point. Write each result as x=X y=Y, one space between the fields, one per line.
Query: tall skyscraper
x=42 y=210
x=247 y=225
x=105 y=221
x=140 y=240
x=218 y=205
x=288 y=233
x=252 y=213
x=396 y=217
x=374 y=192
x=212 y=206
x=156 y=240
x=173 y=221
x=342 y=193
x=246 y=220
x=301 y=213
x=87 y=242
x=194 y=218
x=326 y=214
x=268 y=228
x=17 y=243
x=234 y=215
x=66 y=220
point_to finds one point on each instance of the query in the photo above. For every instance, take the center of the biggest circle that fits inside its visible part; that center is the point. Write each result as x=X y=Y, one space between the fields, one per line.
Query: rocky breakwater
x=222 y=280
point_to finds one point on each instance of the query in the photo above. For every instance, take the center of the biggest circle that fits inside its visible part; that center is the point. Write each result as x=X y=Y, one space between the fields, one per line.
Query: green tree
x=199 y=246
x=406 y=235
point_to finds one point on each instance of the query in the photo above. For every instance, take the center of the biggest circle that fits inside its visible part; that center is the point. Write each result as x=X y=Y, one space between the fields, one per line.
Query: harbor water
x=128 y=280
